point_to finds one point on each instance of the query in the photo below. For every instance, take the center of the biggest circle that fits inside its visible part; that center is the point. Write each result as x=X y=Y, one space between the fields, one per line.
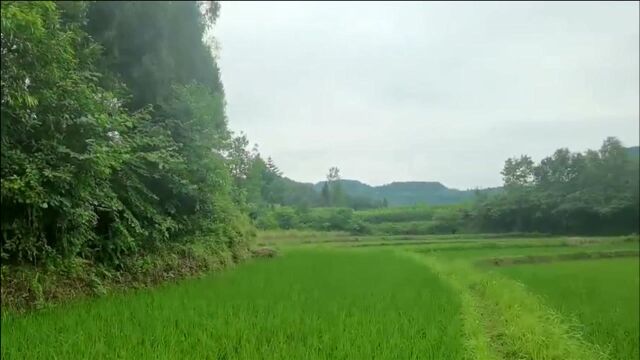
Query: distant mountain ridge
x=400 y=193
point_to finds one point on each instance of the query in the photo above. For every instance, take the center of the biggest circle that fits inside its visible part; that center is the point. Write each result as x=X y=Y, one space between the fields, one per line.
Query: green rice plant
x=307 y=304
x=298 y=236
x=396 y=214
x=473 y=250
x=517 y=325
x=600 y=296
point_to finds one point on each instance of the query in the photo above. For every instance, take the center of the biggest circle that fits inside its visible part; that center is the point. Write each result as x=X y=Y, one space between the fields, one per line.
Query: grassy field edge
x=386 y=308
x=502 y=319
x=28 y=288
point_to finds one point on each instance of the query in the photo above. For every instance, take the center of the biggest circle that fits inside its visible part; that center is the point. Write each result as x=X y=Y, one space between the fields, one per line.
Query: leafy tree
x=63 y=137
x=239 y=158
x=153 y=46
x=518 y=171
x=595 y=192
x=119 y=145
x=271 y=166
x=326 y=195
x=337 y=197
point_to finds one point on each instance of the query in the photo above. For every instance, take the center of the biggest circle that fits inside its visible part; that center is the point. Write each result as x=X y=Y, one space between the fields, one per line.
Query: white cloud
x=427 y=91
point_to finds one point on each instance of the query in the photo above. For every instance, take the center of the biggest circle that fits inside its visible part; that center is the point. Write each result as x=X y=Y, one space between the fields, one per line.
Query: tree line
x=591 y=193
x=114 y=133
x=594 y=192
x=115 y=141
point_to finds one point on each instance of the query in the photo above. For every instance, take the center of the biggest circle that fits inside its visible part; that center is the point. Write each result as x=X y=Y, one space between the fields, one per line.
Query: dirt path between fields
x=539 y=259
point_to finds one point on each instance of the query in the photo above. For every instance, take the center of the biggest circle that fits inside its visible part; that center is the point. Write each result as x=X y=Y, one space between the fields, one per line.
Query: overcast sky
x=427 y=91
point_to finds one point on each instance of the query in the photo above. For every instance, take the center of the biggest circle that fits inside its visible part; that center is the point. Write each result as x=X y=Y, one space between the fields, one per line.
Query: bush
x=28 y=287
x=84 y=176
x=397 y=214
x=266 y=220
x=286 y=217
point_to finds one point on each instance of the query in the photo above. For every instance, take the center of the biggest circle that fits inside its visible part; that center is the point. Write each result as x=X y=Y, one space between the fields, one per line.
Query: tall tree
x=589 y=193
x=118 y=145
x=518 y=171
x=63 y=138
x=337 y=197
x=326 y=194
x=153 y=45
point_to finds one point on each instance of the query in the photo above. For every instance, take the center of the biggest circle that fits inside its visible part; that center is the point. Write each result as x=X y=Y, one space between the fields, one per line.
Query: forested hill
x=408 y=192
x=634 y=151
x=399 y=193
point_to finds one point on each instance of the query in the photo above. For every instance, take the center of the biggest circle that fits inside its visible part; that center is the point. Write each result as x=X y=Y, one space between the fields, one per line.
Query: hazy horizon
x=427 y=91
x=398 y=181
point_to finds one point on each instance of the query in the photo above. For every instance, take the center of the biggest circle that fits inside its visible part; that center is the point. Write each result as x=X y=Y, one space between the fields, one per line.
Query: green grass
x=600 y=296
x=329 y=297
x=594 y=313
x=502 y=320
x=479 y=251
x=396 y=214
x=298 y=236
x=313 y=304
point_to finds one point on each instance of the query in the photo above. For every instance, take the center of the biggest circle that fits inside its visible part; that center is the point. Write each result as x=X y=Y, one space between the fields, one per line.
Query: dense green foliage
x=416 y=220
x=430 y=300
x=321 y=218
x=114 y=135
x=407 y=193
x=118 y=169
x=117 y=161
x=398 y=214
x=301 y=306
x=267 y=187
x=596 y=192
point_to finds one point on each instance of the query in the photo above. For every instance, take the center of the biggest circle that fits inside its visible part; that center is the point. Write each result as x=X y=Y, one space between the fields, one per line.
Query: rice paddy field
x=335 y=296
x=599 y=297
